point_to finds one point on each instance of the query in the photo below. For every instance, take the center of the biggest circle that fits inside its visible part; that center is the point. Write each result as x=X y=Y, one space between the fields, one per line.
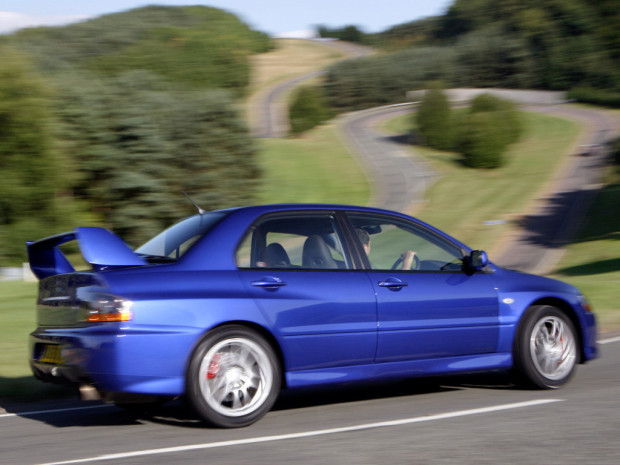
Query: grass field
x=17 y=313
x=312 y=168
x=465 y=199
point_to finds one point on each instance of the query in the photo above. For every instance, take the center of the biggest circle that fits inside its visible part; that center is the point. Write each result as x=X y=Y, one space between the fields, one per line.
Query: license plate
x=51 y=354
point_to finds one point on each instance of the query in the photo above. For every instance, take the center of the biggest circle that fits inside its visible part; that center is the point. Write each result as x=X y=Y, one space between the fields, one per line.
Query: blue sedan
x=227 y=308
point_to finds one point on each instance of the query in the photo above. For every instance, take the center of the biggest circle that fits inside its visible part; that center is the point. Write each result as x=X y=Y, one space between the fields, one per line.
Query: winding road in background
x=401 y=179
x=271 y=118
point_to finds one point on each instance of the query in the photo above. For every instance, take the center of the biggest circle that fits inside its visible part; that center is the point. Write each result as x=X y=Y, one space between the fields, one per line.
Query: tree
x=141 y=142
x=34 y=197
x=434 y=120
x=308 y=109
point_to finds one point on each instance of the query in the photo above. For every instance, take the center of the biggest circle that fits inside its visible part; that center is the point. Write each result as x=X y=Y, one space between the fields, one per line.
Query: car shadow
x=70 y=412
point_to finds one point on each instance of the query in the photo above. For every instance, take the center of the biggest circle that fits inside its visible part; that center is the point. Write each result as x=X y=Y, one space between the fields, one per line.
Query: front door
x=428 y=306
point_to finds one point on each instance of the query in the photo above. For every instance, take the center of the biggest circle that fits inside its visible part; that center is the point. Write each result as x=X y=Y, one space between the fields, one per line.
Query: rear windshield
x=177 y=239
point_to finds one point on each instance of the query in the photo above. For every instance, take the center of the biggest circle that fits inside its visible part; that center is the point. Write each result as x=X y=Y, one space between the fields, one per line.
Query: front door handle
x=393 y=284
x=269 y=282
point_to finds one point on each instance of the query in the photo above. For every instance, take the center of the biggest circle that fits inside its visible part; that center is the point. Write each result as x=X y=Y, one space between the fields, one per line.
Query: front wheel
x=545 y=348
x=233 y=378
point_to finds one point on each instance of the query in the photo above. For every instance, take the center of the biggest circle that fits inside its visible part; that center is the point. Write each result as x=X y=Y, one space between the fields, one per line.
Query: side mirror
x=477 y=260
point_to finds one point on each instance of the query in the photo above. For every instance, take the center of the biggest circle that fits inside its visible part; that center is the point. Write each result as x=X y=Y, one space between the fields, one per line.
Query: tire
x=546 y=348
x=233 y=377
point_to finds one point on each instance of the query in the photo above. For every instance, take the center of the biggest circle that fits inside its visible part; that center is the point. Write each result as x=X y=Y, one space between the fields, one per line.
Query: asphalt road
x=476 y=420
x=399 y=180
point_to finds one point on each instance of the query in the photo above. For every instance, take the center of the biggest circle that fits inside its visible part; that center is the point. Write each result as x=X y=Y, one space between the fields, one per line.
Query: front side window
x=395 y=244
x=303 y=241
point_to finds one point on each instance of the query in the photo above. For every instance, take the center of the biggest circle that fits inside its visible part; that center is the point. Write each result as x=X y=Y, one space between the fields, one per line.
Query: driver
x=406 y=258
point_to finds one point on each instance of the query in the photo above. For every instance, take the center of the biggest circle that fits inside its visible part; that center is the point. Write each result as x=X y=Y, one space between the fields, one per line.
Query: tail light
x=102 y=308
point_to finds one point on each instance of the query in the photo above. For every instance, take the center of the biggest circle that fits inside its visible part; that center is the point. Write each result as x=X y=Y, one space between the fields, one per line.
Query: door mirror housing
x=476 y=260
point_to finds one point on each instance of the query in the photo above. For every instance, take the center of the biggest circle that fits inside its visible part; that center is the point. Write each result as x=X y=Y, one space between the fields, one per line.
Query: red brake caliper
x=214 y=367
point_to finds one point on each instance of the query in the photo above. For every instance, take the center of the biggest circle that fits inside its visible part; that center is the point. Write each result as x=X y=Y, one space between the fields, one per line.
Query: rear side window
x=304 y=241
x=177 y=239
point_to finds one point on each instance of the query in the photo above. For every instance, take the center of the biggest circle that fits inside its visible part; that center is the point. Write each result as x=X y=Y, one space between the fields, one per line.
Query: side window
x=302 y=241
x=395 y=244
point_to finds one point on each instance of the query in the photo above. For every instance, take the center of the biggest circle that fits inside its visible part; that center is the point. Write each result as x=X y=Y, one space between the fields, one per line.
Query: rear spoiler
x=100 y=247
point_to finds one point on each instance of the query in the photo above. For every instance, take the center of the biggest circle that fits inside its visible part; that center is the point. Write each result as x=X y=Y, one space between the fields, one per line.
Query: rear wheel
x=546 y=348
x=233 y=378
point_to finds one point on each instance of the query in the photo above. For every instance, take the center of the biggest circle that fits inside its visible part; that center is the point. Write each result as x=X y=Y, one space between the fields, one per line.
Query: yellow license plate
x=51 y=354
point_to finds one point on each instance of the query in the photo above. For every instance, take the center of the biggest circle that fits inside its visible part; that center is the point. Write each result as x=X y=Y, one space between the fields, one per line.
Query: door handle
x=393 y=284
x=269 y=282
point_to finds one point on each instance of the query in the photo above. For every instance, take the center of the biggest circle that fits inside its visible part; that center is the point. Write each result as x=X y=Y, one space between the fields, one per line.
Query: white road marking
x=306 y=434
x=610 y=340
x=42 y=412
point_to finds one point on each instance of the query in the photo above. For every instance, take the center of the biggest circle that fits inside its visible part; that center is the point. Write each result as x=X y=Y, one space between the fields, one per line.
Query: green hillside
x=198 y=46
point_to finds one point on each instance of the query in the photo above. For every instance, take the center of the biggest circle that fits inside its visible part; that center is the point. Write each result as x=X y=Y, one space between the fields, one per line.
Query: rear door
x=298 y=269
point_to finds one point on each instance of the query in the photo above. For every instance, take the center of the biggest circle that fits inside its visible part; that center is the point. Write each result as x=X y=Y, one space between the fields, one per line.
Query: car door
x=432 y=309
x=298 y=270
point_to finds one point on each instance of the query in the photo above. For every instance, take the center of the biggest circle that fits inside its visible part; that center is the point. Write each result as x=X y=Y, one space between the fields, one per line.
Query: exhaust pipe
x=89 y=392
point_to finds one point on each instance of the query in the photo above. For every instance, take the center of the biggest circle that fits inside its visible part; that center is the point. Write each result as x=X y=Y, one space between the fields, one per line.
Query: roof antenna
x=200 y=210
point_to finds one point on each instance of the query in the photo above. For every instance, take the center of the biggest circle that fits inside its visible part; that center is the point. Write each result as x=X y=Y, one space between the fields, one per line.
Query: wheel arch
x=565 y=308
x=261 y=330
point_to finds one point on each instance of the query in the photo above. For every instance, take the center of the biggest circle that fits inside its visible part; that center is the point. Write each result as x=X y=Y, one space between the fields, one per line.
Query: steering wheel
x=415 y=264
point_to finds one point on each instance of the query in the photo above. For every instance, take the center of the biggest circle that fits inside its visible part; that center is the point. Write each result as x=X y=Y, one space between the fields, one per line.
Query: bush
x=486 y=130
x=481 y=141
x=308 y=109
x=605 y=98
x=434 y=121
x=505 y=112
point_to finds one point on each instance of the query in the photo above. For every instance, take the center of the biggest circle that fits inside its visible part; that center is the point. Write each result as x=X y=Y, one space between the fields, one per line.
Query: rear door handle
x=393 y=284
x=269 y=282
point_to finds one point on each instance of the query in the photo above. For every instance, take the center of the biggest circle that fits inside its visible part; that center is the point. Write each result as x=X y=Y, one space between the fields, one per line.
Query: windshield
x=177 y=239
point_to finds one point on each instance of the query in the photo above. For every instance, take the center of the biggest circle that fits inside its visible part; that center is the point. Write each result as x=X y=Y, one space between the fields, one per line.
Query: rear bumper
x=113 y=359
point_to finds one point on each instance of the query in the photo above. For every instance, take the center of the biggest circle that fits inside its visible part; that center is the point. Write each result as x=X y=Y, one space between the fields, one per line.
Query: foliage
x=434 y=120
x=366 y=82
x=141 y=143
x=197 y=46
x=604 y=98
x=481 y=142
x=505 y=112
x=123 y=113
x=557 y=44
x=406 y=35
x=486 y=130
x=308 y=109
x=349 y=33
x=35 y=189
